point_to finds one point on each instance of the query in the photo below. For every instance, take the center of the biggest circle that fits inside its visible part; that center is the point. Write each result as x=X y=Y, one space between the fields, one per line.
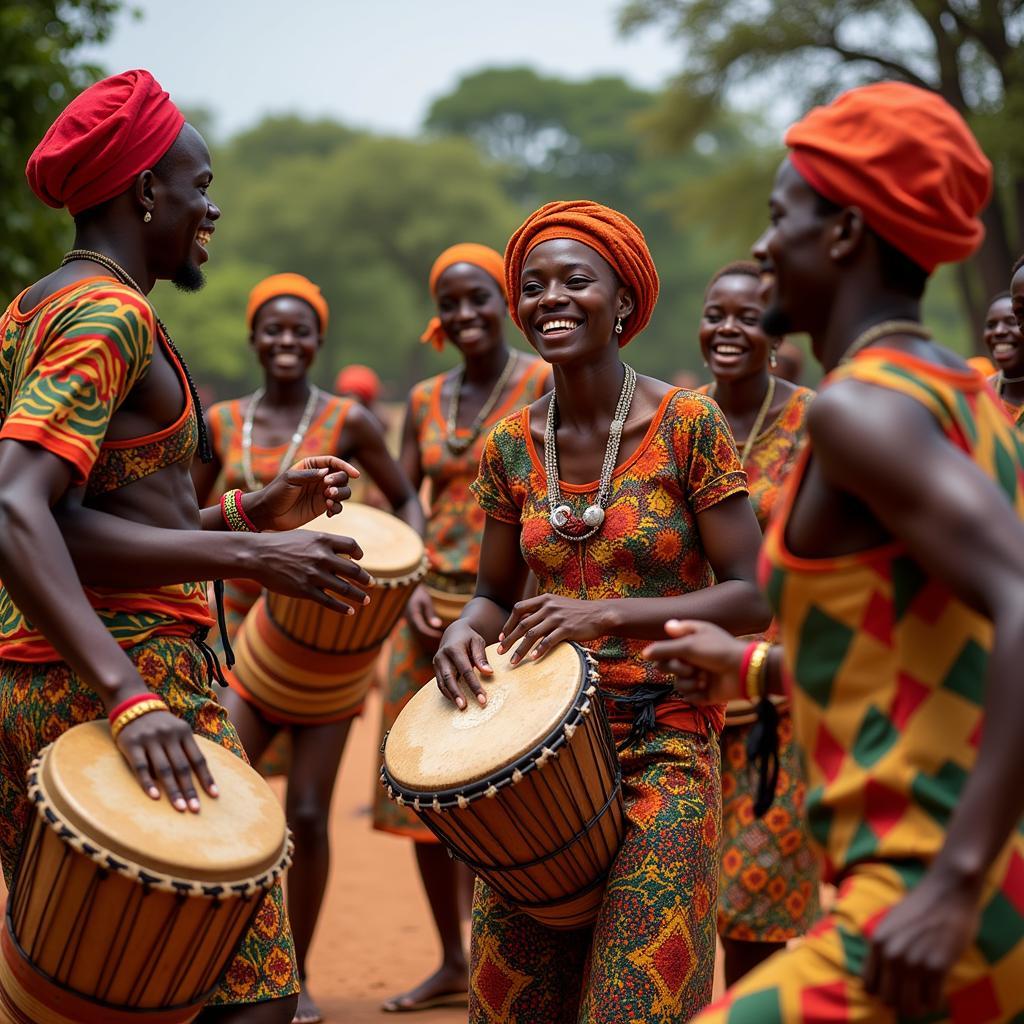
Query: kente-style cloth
x=768 y=886
x=293 y=285
x=652 y=951
x=907 y=159
x=66 y=365
x=887 y=667
x=39 y=702
x=455 y=526
x=480 y=256
x=650 y=956
x=612 y=235
x=356 y=379
x=104 y=137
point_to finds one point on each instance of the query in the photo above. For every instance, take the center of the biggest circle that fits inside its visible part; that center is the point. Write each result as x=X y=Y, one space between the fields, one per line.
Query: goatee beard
x=776 y=323
x=189 y=278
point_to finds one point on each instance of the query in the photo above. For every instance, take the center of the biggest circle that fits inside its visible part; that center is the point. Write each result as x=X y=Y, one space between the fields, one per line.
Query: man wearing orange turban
x=896 y=568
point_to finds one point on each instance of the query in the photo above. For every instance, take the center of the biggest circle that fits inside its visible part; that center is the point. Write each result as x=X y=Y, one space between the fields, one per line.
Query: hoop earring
x=773 y=359
x=147 y=218
x=618 y=325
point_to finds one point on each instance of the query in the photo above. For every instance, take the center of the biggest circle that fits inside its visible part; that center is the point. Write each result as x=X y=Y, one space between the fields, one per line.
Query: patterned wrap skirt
x=39 y=702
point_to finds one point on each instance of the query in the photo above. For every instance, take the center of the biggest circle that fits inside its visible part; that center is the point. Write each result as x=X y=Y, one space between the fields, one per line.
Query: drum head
x=236 y=836
x=391 y=548
x=434 y=746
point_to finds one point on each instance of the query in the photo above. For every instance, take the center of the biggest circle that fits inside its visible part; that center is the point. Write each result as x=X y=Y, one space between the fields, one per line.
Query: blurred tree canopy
x=802 y=52
x=39 y=74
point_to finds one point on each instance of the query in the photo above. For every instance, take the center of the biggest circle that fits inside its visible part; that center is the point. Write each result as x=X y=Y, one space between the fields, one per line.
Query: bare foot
x=447 y=986
x=307 y=1012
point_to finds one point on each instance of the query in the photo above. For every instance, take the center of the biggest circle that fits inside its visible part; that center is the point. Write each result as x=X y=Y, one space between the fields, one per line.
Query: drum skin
x=303 y=664
x=526 y=790
x=121 y=904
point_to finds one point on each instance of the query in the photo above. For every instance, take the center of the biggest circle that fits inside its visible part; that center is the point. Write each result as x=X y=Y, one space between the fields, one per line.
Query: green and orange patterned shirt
x=1015 y=412
x=649 y=545
x=455 y=522
x=887 y=666
x=65 y=368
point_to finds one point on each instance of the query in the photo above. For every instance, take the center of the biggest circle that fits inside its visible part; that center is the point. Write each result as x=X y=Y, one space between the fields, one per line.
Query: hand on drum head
x=423 y=620
x=162 y=752
x=543 y=622
x=311 y=487
x=461 y=654
x=314 y=566
x=704 y=658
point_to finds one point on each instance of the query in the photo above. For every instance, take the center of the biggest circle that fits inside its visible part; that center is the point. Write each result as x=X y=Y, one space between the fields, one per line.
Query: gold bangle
x=144 y=707
x=757 y=670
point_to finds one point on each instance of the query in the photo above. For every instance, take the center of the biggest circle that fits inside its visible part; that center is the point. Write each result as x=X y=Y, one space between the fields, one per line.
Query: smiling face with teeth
x=286 y=336
x=569 y=300
x=1003 y=338
x=732 y=340
x=471 y=308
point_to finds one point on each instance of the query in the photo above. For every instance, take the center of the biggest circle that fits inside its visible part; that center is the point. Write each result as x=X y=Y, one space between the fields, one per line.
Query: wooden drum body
x=122 y=908
x=301 y=663
x=527 y=790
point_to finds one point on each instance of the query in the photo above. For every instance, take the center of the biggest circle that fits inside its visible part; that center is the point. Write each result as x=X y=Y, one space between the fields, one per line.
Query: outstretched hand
x=704 y=658
x=311 y=487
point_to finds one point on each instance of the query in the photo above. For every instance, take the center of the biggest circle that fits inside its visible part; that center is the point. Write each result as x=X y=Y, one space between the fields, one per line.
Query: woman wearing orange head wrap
x=447 y=420
x=252 y=438
x=626 y=499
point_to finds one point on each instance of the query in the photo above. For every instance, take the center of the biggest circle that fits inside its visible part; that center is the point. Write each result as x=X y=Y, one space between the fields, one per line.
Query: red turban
x=358 y=380
x=278 y=285
x=481 y=256
x=610 y=234
x=907 y=159
x=102 y=139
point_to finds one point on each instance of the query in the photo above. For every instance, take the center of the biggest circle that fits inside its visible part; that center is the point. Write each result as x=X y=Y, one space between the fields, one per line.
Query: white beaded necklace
x=300 y=432
x=558 y=512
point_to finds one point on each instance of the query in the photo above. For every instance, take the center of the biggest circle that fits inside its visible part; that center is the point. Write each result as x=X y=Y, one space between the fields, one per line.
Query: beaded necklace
x=300 y=432
x=458 y=445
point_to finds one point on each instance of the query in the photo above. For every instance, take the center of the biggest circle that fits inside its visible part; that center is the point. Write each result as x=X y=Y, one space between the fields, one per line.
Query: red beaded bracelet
x=748 y=653
x=129 y=702
x=233 y=512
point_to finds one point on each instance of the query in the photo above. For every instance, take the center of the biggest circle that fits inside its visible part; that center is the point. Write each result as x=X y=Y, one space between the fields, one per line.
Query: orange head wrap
x=360 y=380
x=102 y=139
x=610 y=234
x=907 y=159
x=480 y=256
x=295 y=285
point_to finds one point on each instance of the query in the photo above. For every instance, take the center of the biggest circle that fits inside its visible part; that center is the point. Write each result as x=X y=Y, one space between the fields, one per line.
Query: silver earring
x=618 y=325
x=147 y=218
x=773 y=359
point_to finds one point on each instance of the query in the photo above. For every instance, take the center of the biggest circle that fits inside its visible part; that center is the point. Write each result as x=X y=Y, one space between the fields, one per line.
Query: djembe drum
x=122 y=908
x=527 y=790
x=302 y=663
x=448 y=603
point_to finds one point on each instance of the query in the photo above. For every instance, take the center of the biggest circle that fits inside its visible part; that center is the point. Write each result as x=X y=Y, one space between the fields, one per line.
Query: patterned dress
x=888 y=674
x=768 y=888
x=65 y=368
x=650 y=956
x=455 y=524
x=1015 y=412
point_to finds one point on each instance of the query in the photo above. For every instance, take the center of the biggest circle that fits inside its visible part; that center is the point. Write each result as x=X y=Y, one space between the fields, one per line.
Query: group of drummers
x=656 y=662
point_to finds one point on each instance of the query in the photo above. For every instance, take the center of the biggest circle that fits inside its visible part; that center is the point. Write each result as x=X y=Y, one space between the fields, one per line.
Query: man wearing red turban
x=95 y=400
x=896 y=568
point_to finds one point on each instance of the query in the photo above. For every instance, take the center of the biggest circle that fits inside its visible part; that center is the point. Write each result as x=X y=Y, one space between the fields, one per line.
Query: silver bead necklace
x=458 y=445
x=560 y=513
x=300 y=432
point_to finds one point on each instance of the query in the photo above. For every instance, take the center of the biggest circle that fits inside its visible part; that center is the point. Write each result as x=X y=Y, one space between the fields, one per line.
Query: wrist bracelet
x=144 y=707
x=129 y=702
x=753 y=679
x=234 y=514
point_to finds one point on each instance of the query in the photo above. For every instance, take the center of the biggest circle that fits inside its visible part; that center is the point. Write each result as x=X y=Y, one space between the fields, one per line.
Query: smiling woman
x=1005 y=344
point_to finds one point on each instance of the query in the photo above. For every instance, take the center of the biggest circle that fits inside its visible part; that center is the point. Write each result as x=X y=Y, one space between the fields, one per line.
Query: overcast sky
x=375 y=63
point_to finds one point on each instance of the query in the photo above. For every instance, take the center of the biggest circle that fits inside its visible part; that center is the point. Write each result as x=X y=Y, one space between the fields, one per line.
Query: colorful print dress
x=65 y=368
x=455 y=525
x=887 y=668
x=1015 y=412
x=768 y=888
x=650 y=956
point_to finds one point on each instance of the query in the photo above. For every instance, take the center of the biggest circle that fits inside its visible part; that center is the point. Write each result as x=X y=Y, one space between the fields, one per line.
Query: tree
x=805 y=51
x=39 y=74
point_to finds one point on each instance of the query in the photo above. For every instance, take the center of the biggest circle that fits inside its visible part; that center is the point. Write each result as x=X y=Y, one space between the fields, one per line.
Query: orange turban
x=480 y=256
x=907 y=159
x=610 y=234
x=101 y=140
x=295 y=285
x=360 y=380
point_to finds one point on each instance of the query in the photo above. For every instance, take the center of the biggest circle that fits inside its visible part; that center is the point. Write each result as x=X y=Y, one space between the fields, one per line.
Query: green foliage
x=39 y=73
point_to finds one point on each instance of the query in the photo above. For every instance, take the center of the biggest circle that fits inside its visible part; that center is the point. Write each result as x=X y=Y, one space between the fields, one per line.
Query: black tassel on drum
x=222 y=623
x=209 y=655
x=763 y=753
x=644 y=700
